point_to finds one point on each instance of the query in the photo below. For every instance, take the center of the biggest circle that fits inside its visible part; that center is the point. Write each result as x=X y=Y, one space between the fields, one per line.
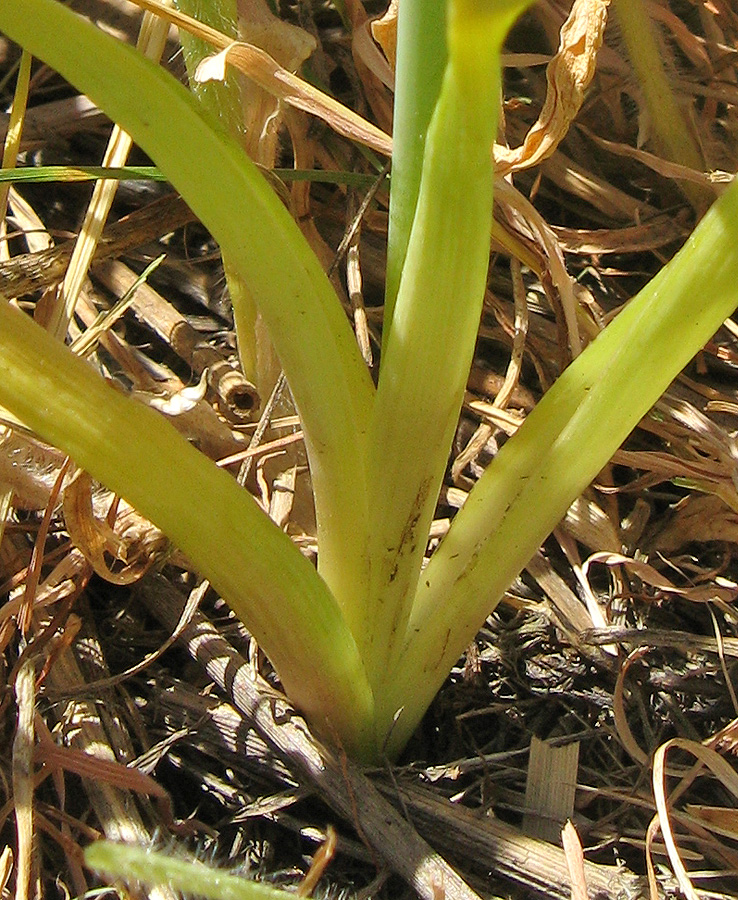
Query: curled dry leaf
x=372 y=68
x=384 y=32
x=588 y=524
x=289 y=46
x=653 y=885
x=275 y=79
x=709 y=759
x=137 y=544
x=179 y=402
x=291 y=89
x=61 y=583
x=656 y=580
x=568 y=74
x=697 y=517
x=622 y=728
x=364 y=46
x=525 y=221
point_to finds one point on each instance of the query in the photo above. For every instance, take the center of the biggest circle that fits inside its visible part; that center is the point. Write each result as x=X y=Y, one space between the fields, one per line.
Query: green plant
x=363 y=644
x=151 y=867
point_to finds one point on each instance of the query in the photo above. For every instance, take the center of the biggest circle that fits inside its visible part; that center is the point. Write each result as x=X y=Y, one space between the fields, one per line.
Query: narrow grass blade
x=39 y=174
x=13 y=138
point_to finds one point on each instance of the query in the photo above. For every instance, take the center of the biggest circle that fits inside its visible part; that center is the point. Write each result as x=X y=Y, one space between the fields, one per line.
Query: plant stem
x=427 y=357
x=563 y=444
x=421 y=62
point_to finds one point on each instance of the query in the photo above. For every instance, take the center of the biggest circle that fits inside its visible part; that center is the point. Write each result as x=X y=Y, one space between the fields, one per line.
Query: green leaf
x=152 y=868
x=328 y=380
x=137 y=453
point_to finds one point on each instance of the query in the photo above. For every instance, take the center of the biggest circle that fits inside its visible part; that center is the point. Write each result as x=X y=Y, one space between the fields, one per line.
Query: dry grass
x=620 y=635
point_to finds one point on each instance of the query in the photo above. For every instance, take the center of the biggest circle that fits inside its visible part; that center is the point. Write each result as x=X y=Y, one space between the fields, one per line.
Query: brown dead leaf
x=278 y=81
x=6 y=867
x=372 y=68
x=716 y=818
x=662 y=166
x=28 y=467
x=289 y=46
x=384 y=32
x=697 y=517
x=366 y=50
x=655 y=233
x=665 y=801
x=588 y=524
x=291 y=89
x=527 y=222
x=654 y=578
x=568 y=74
x=574 y=861
x=137 y=544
